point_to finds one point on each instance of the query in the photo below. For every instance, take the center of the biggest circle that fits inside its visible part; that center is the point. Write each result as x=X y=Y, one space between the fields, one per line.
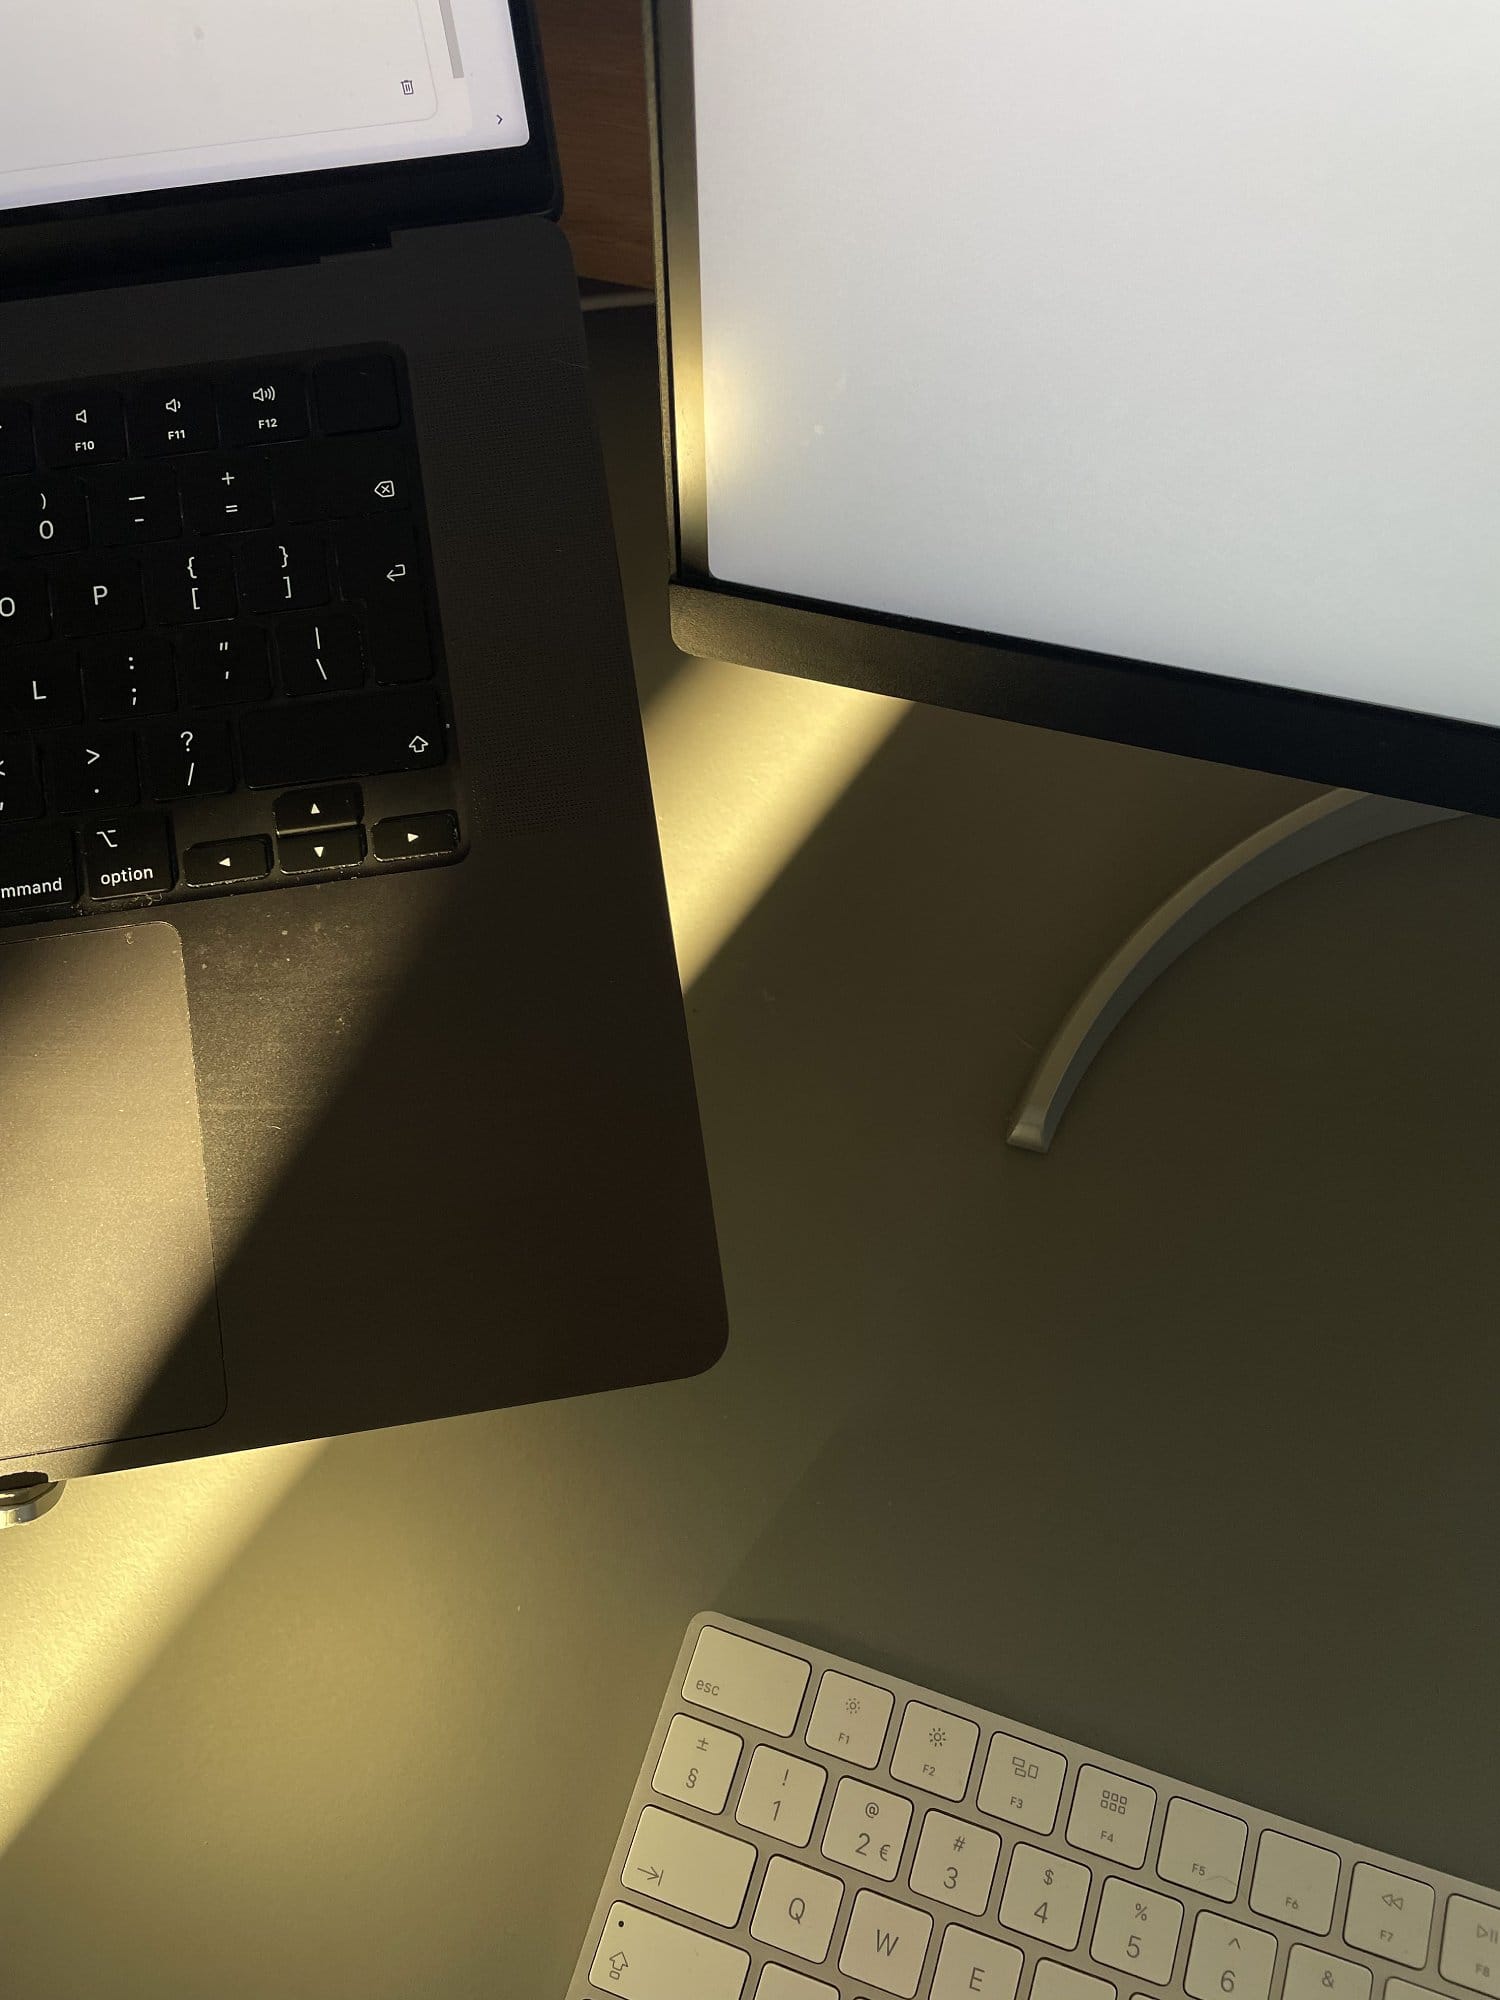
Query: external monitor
x=1123 y=366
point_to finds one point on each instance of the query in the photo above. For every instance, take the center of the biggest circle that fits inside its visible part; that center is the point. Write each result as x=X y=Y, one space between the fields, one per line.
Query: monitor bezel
x=287 y=216
x=1324 y=739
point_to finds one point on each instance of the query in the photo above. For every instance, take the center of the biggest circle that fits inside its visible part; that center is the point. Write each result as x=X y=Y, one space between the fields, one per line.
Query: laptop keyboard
x=219 y=653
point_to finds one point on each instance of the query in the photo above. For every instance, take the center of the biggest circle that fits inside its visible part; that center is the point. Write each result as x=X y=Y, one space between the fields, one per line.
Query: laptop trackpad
x=108 y=1323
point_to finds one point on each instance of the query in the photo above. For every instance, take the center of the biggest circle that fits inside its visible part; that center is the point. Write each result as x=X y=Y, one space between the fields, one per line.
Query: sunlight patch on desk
x=745 y=768
x=95 y=1594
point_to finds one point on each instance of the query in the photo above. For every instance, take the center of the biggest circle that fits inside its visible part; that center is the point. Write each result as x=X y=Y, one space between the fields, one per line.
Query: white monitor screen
x=106 y=97
x=1160 y=328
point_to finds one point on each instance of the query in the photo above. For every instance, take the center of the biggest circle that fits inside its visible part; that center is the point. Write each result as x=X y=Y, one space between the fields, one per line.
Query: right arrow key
x=416 y=836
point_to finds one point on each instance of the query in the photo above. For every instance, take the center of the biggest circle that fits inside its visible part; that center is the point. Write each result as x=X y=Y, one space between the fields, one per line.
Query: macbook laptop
x=343 y=1074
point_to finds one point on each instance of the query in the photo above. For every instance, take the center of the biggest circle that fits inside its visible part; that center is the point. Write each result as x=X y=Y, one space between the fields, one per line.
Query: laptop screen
x=133 y=96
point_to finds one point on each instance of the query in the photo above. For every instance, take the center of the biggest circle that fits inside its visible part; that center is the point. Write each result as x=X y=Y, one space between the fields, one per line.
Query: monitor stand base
x=1328 y=826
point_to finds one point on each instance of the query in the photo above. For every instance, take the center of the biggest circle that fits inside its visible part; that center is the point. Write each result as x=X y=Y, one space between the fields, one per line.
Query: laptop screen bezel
x=289 y=216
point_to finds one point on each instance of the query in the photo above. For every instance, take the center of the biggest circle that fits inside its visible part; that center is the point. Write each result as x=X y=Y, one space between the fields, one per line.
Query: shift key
x=308 y=742
x=37 y=871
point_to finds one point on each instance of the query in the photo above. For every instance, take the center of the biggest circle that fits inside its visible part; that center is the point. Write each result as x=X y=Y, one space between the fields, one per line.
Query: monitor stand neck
x=1331 y=825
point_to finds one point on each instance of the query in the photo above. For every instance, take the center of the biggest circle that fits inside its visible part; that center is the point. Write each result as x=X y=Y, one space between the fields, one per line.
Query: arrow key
x=307 y=853
x=415 y=836
x=217 y=862
x=314 y=812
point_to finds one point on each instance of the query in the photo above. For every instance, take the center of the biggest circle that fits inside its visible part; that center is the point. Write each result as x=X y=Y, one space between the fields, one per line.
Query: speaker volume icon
x=265 y=395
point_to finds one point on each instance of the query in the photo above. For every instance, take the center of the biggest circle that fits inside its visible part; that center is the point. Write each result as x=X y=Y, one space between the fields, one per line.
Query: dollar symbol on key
x=1047 y=1877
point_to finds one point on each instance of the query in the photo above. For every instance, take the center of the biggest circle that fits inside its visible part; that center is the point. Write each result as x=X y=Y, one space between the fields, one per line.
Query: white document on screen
x=105 y=79
x=106 y=97
x=1160 y=328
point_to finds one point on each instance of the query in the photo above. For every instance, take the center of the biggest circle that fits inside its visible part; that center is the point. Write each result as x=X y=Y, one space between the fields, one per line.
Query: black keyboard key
x=81 y=427
x=263 y=406
x=124 y=678
x=39 y=689
x=46 y=517
x=398 y=646
x=337 y=482
x=223 y=664
x=282 y=573
x=340 y=847
x=353 y=736
x=103 y=595
x=368 y=477
x=169 y=418
x=297 y=479
x=329 y=805
x=221 y=496
x=20 y=788
x=415 y=836
x=127 y=857
x=188 y=757
x=191 y=587
x=25 y=614
x=91 y=771
x=137 y=504
x=357 y=393
x=217 y=862
x=320 y=652
x=17 y=453
x=38 y=871
x=378 y=563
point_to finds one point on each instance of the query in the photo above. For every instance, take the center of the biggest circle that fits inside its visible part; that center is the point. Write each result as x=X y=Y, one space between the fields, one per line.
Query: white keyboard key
x=1136 y=1931
x=750 y=1682
x=642 y=1957
x=797 y=1909
x=956 y=1863
x=1111 y=1816
x=969 y=1964
x=1052 y=1981
x=1318 y=1975
x=1402 y=1989
x=935 y=1751
x=886 y=1944
x=1229 y=1961
x=1295 y=1882
x=867 y=1829
x=849 y=1720
x=1202 y=1849
x=777 y=1983
x=691 y=1867
x=781 y=1795
x=1022 y=1783
x=1045 y=1896
x=1471 y=1945
x=1388 y=1914
x=697 y=1764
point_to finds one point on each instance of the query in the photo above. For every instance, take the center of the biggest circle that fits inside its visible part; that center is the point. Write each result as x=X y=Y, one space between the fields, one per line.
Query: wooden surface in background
x=595 y=53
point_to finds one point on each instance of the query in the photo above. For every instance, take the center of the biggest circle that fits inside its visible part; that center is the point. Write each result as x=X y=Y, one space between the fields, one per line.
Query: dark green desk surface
x=1182 y=1441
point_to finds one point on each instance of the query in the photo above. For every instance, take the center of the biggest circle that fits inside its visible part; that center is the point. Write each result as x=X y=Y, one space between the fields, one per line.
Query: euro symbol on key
x=796 y=1909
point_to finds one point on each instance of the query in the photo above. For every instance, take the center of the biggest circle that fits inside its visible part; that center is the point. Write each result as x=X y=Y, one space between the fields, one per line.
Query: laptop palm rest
x=108 y=1321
